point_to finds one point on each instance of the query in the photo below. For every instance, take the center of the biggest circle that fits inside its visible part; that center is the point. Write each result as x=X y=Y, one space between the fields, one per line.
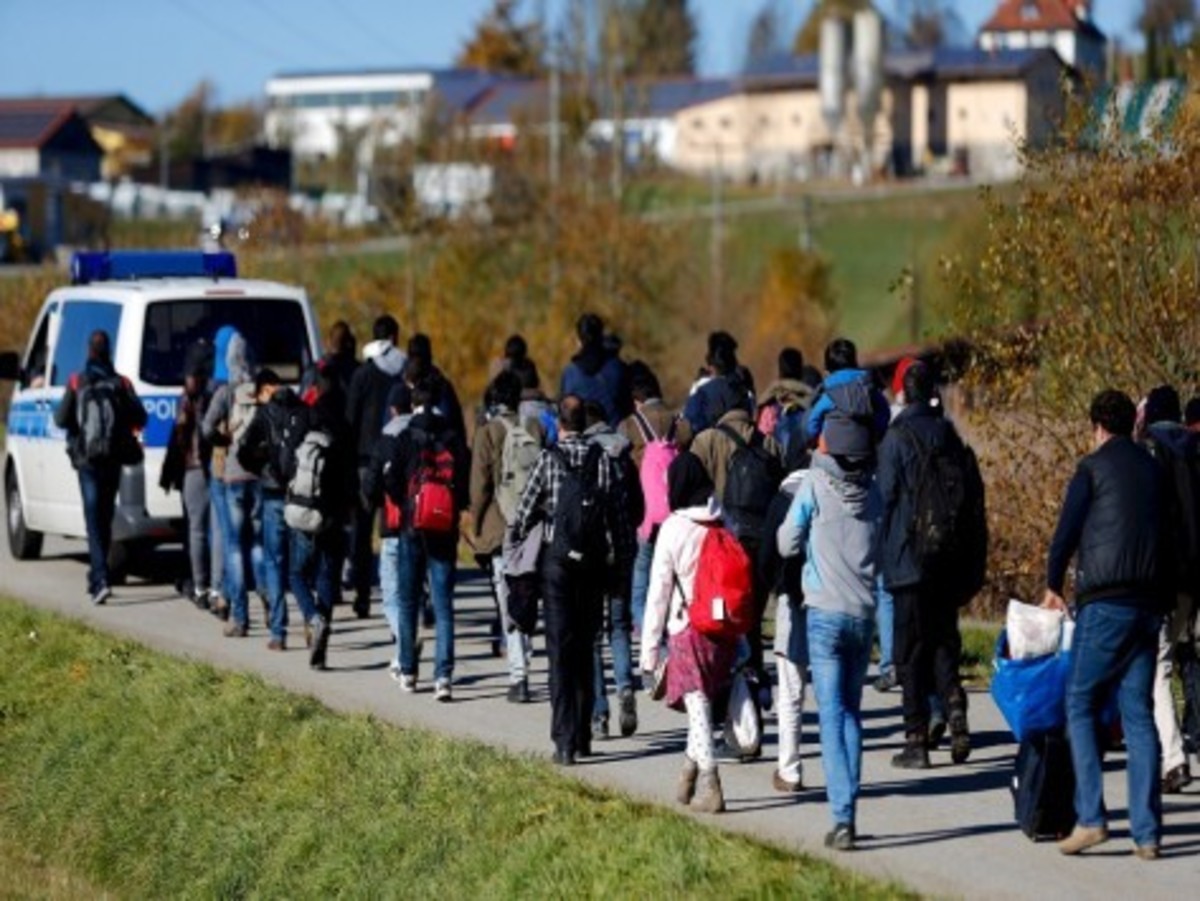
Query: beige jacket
x=715 y=449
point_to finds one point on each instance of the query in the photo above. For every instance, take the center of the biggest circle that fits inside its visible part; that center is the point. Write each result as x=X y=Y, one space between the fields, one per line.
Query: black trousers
x=361 y=555
x=927 y=649
x=573 y=613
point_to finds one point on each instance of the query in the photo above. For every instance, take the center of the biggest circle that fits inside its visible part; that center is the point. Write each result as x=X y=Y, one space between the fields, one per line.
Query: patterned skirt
x=697 y=663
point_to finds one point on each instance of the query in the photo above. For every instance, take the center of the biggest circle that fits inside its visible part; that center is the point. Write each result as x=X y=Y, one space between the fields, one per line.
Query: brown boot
x=686 y=786
x=1082 y=838
x=709 y=797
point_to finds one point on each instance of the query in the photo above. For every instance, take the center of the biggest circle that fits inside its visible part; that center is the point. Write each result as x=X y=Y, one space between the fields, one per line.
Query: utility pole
x=555 y=162
x=718 y=235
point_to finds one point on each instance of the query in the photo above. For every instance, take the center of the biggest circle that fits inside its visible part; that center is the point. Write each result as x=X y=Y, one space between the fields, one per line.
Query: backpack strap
x=733 y=436
x=648 y=433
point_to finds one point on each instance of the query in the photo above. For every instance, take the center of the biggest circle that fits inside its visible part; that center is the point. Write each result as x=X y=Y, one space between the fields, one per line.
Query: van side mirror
x=10 y=367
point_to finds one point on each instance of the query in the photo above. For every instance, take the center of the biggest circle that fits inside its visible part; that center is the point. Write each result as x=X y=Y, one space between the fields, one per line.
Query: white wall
x=19 y=163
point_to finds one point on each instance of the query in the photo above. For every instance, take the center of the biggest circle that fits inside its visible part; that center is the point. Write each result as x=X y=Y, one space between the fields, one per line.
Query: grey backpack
x=303 y=509
x=520 y=453
x=99 y=402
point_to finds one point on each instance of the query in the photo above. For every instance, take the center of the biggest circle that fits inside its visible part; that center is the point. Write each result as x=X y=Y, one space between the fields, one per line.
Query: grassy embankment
x=130 y=772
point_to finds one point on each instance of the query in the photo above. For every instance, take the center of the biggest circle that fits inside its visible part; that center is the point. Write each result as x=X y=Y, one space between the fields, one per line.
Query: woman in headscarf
x=700 y=669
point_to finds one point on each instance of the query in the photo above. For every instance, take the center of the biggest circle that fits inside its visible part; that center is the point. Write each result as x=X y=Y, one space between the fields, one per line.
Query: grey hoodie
x=833 y=519
x=215 y=427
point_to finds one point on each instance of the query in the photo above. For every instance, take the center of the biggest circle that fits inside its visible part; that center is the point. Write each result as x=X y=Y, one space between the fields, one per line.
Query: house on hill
x=124 y=131
x=1066 y=26
x=47 y=139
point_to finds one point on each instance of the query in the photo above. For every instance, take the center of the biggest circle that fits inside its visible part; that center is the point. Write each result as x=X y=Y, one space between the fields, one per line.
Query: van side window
x=33 y=373
x=79 y=319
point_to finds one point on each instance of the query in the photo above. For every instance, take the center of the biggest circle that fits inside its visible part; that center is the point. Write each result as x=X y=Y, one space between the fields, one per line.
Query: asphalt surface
x=946 y=832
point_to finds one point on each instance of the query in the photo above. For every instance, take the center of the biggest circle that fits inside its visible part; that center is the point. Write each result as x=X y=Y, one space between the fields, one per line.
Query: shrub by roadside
x=147 y=776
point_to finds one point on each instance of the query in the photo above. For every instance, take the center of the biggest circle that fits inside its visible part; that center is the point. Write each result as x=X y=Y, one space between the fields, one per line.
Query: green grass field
x=132 y=773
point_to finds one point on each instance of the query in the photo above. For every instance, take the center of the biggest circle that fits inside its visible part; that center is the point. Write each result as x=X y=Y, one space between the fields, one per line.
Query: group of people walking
x=665 y=534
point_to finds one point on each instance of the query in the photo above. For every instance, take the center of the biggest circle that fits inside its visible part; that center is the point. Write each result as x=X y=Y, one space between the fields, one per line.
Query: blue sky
x=156 y=50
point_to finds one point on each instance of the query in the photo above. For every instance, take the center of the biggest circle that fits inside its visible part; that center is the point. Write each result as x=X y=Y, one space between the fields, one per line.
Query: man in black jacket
x=315 y=564
x=98 y=452
x=927 y=585
x=366 y=412
x=265 y=451
x=427 y=477
x=1112 y=521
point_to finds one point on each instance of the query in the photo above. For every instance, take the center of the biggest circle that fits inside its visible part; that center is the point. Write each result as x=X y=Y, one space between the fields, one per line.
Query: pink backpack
x=656 y=460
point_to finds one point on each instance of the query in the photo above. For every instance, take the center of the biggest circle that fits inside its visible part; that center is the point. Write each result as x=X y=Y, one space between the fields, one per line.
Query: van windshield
x=275 y=332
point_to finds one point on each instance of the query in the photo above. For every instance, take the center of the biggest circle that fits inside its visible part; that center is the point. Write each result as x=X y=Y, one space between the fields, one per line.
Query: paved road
x=948 y=832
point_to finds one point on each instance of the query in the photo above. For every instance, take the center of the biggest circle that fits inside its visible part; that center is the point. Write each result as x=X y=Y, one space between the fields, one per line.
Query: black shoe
x=320 y=644
x=1177 y=780
x=841 y=838
x=915 y=755
x=362 y=607
x=564 y=757
x=628 y=720
x=960 y=738
x=518 y=692
x=583 y=747
x=886 y=681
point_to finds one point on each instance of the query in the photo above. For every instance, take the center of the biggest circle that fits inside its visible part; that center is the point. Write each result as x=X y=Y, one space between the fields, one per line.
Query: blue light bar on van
x=123 y=265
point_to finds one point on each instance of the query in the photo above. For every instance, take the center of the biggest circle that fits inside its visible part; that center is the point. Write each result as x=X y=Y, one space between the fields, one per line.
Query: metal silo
x=868 y=74
x=834 y=62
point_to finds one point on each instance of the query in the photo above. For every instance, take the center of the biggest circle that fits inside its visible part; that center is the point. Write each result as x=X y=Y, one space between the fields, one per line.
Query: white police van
x=154 y=306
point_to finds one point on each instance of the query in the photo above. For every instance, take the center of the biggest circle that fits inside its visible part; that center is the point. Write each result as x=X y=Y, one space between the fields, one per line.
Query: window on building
x=797 y=119
x=726 y=122
x=962 y=114
x=698 y=124
x=1030 y=11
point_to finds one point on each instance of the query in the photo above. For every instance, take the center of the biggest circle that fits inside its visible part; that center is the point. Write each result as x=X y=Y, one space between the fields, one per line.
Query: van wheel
x=23 y=542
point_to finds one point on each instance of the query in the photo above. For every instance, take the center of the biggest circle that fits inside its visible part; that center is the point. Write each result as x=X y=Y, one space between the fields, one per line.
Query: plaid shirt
x=540 y=499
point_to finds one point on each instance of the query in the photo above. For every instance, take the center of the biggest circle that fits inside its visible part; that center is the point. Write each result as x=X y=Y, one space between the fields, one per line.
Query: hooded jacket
x=783 y=394
x=366 y=403
x=372 y=476
x=131 y=413
x=235 y=369
x=598 y=376
x=899 y=482
x=1177 y=451
x=673 y=575
x=832 y=521
x=850 y=412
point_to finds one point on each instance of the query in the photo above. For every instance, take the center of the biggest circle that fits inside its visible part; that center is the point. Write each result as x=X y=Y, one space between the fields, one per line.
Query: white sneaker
x=394 y=671
x=441 y=691
x=408 y=684
x=102 y=595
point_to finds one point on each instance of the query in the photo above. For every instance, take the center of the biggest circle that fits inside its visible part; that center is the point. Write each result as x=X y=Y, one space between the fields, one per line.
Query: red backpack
x=431 y=490
x=722 y=605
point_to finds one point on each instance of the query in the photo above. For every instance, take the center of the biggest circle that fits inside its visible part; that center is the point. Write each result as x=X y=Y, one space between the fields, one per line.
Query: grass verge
x=141 y=775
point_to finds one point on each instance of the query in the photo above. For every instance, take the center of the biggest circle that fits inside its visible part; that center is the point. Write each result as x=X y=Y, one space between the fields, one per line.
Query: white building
x=1064 y=25
x=312 y=112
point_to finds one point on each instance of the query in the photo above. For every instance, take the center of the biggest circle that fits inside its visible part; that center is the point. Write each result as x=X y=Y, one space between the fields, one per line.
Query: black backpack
x=1183 y=503
x=751 y=481
x=948 y=528
x=579 y=529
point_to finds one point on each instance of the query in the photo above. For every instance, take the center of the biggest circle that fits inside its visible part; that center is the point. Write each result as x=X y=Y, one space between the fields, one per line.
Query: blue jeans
x=315 y=562
x=885 y=620
x=641 y=583
x=620 y=639
x=275 y=538
x=245 y=536
x=218 y=495
x=839 y=648
x=1115 y=647
x=391 y=586
x=414 y=560
x=99 y=485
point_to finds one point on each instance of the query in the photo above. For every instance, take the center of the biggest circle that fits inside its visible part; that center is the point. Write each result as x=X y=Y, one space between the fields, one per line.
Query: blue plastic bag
x=1031 y=694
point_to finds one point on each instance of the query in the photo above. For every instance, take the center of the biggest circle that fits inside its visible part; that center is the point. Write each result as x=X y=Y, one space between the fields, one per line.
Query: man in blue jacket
x=846 y=400
x=596 y=374
x=1112 y=521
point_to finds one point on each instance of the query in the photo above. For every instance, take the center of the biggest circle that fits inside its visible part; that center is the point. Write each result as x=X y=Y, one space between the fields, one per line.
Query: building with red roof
x=1066 y=26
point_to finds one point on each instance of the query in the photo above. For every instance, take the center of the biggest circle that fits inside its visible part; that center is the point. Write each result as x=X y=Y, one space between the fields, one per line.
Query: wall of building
x=18 y=163
x=986 y=119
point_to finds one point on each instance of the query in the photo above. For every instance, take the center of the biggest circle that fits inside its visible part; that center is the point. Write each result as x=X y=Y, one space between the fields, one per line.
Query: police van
x=154 y=306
